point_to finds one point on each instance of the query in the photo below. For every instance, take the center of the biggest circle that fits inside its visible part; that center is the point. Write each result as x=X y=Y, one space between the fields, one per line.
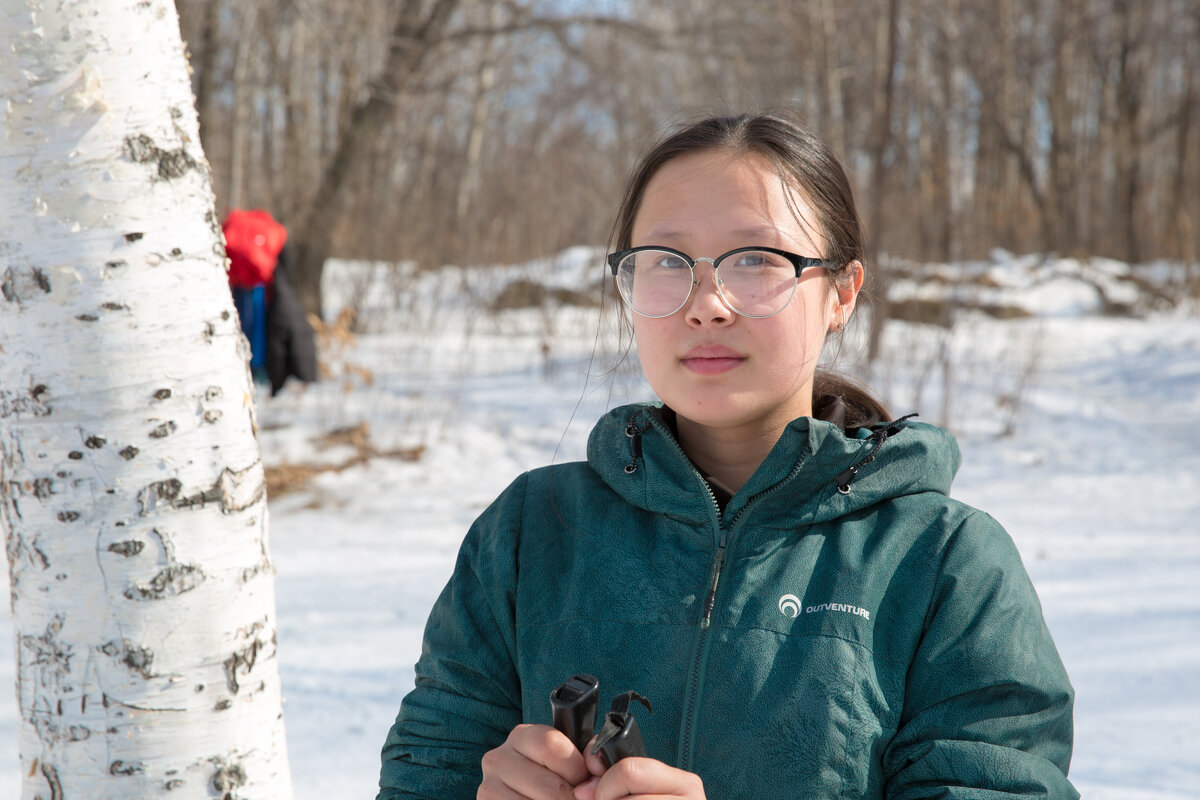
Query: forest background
x=467 y=132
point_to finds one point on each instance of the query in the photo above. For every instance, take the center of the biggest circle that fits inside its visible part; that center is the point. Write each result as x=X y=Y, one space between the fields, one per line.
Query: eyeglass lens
x=754 y=283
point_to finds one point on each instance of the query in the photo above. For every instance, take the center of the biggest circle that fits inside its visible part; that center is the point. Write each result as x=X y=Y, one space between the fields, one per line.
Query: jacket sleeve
x=987 y=709
x=466 y=697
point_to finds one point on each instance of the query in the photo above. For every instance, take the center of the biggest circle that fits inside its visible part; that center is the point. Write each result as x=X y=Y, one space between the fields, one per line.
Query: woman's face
x=713 y=367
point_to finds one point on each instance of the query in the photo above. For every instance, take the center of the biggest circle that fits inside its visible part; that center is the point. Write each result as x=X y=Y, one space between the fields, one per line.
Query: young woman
x=763 y=555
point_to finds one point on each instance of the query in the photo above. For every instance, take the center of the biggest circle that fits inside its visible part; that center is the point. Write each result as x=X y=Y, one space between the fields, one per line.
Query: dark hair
x=804 y=163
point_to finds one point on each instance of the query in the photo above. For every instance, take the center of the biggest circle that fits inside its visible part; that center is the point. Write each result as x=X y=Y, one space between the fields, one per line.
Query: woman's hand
x=644 y=778
x=536 y=762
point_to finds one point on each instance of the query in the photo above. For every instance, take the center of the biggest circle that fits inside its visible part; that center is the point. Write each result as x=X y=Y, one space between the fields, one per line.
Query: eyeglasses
x=754 y=282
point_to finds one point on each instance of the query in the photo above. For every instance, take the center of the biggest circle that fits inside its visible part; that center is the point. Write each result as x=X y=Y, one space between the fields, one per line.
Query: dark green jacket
x=868 y=636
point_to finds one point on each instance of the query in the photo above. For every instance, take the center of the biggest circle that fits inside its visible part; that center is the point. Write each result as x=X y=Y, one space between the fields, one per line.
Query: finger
x=509 y=775
x=552 y=749
x=587 y=789
x=595 y=764
x=647 y=779
x=493 y=788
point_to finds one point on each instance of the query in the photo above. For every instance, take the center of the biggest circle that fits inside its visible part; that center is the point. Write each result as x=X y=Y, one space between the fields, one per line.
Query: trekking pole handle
x=573 y=705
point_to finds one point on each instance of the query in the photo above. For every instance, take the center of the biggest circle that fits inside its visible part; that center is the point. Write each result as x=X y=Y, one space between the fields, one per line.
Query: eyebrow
x=755 y=235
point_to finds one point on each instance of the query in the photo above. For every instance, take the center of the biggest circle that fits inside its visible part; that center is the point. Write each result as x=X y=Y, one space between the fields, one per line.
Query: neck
x=731 y=455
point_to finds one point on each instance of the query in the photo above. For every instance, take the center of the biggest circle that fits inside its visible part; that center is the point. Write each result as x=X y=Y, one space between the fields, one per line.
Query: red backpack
x=253 y=240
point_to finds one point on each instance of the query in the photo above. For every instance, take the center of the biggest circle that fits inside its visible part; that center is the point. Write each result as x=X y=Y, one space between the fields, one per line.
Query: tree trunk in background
x=889 y=39
x=131 y=490
x=312 y=237
x=1129 y=105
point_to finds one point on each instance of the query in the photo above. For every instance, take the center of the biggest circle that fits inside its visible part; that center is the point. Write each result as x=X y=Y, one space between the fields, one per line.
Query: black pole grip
x=573 y=705
x=620 y=737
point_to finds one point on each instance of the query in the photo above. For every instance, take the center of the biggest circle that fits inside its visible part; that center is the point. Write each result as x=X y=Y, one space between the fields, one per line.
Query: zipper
x=697 y=667
x=710 y=599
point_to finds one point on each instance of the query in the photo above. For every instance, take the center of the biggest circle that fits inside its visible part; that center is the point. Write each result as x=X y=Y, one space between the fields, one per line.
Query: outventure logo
x=790 y=606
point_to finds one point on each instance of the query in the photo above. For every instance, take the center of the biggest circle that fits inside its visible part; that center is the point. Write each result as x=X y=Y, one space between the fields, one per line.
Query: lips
x=711 y=359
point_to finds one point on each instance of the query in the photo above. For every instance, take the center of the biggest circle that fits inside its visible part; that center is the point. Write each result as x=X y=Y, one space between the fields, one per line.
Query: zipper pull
x=711 y=599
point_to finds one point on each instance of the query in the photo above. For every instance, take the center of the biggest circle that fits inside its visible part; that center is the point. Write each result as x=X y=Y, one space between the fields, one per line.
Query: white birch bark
x=131 y=490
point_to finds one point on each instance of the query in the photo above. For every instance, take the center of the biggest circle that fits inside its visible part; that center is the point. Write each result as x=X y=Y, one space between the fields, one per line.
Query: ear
x=846 y=294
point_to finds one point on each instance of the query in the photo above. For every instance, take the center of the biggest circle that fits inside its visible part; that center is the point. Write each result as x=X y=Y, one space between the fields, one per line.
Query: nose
x=706 y=306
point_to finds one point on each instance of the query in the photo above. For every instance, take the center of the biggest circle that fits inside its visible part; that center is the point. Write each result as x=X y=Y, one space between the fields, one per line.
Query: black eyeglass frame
x=800 y=263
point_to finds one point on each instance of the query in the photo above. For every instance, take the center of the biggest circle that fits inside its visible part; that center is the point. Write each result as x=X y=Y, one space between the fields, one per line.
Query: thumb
x=587 y=789
x=595 y=763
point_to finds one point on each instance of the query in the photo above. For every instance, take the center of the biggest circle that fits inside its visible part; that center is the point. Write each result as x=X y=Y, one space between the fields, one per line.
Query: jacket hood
x=815 y=472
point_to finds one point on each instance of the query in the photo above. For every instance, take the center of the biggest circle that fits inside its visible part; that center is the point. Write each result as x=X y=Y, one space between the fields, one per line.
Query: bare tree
x=508 y=126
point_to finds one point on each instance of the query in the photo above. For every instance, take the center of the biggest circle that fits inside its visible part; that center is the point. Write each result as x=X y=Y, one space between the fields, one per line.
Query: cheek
x=649 y=339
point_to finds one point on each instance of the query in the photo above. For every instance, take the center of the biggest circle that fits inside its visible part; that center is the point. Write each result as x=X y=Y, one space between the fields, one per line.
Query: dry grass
x=287 y=478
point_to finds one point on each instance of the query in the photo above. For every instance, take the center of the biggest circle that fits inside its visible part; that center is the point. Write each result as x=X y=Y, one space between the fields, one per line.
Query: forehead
x=714 y=194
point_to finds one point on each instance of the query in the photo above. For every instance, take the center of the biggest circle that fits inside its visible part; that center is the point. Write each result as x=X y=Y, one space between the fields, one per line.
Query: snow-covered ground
x=1098 y=481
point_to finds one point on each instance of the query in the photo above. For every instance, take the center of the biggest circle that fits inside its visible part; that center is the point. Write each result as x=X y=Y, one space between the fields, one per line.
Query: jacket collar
x=635 y=452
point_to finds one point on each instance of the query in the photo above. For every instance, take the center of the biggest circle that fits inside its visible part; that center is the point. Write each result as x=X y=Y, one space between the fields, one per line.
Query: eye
x=668 y=261
x=760 y=259
x=752 y=260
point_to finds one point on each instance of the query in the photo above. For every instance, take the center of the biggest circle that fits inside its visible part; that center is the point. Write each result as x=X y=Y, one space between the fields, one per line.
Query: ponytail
x=846 y=402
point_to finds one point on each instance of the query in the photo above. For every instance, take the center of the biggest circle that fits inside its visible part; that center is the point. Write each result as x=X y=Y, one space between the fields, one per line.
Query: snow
x=1098 y=481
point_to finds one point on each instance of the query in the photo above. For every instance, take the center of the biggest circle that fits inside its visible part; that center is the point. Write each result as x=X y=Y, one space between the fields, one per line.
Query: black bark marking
x=211 y=417
x=164 y=430
x=114 y=306
x=223 y=705
x=48 y=651
x=173 y=580
x=133 y=237
x=68 y=516
x=6 y=286
x=16 y=403
x=138 y=659
x=213 y=393
x=162 y=394
x=227 y=778
x=41 y=557
x=129 y=452
x=37 y=391
x=75 y=455
x=51 y=776
x=225 y=492
x=128 y=548
x=175 y=164
x=86 y=317
x=149 y=498
x=173 y=784
x=171 y=164
x=41 y=280
x=243 y=660
x=42 y=488
x=121 y=768
x=95 y=442
x=226 y=489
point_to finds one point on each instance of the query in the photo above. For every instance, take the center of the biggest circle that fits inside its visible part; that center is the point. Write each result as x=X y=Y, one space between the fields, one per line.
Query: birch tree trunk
x=131 y=490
